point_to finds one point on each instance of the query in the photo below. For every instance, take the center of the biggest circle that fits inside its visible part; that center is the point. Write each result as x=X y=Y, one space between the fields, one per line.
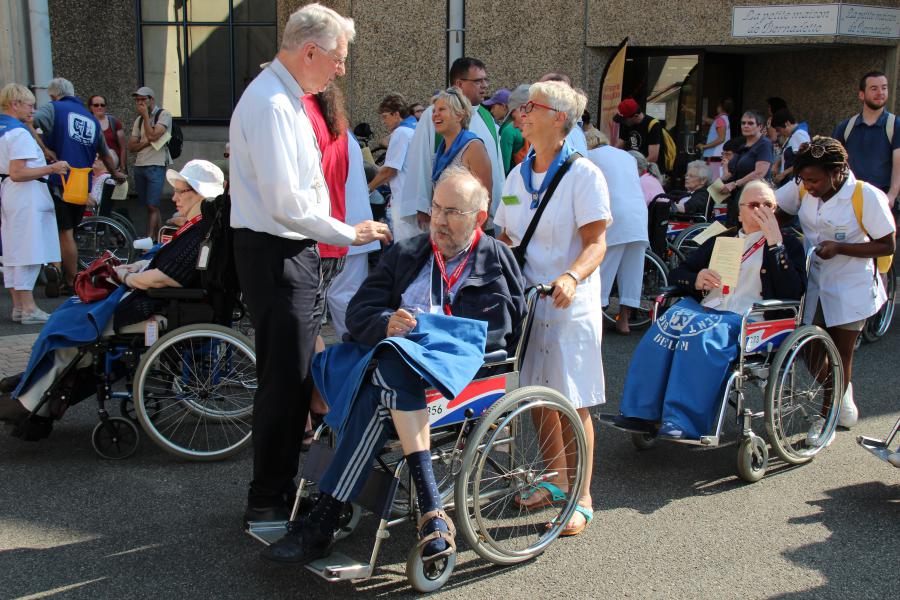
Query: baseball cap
x=627 y=108
x=518 y=97
x=206 y=178
x=501 y=96
x=144 y=91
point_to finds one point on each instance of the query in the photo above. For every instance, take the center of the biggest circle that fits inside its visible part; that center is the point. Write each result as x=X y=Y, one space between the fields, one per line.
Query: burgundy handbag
x=97 y=281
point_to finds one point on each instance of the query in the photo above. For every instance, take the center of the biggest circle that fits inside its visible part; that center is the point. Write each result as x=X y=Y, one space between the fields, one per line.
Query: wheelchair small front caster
x=428 y=577
x=643 y=441
x=348 y=521
x=753 y=458
x=115 y=438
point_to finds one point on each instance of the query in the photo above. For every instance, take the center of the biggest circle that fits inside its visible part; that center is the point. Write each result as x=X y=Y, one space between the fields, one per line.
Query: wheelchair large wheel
x=656 y=277
x=95 y=235
x=504 y=458
x=803 y=395
x=445 y=464
x=125 y=222
x=685 y=243
x=878 y=324
x=194 y=389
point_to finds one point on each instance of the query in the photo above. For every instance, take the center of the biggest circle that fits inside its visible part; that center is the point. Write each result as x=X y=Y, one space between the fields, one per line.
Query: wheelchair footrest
x=267 y=532
x=875 y=446
x=340 y=567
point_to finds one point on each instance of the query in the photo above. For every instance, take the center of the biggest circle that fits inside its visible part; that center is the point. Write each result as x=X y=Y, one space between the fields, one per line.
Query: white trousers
x=22 y=277
x=623 y=263
x=342 y=289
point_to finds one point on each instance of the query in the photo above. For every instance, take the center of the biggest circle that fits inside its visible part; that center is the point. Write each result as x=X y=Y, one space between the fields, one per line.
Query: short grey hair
x=457 y=102
x=562 y=98
x=645 y=166
x=60 y=87
x=700 y=168
x=478 y=197
x=317 y=24
x=764 y=186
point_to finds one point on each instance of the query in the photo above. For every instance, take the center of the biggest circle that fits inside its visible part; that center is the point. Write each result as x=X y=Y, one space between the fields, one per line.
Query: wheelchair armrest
x=671 y=291
x=495 y=356
x=169 y=293
x=770 y=304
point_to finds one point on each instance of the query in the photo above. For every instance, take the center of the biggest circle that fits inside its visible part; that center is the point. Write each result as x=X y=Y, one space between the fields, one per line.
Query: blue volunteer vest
x=76 y=135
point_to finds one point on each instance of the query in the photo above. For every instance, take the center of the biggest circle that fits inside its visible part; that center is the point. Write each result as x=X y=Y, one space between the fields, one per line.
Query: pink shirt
x=651 y=187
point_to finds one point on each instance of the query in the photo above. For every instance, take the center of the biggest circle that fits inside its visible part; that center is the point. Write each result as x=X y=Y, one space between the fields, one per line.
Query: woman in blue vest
x=457 y=145
x=28 y=225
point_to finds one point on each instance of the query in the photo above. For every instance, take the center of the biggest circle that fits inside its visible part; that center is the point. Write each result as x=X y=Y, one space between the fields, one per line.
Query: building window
x=200 y=55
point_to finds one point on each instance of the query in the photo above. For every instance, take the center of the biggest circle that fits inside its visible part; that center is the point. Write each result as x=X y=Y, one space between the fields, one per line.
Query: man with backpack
x=645 y=134
x=153 y=152
x=872 y=138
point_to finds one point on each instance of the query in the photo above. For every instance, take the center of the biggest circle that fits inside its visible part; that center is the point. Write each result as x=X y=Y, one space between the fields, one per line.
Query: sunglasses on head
x=817 y=150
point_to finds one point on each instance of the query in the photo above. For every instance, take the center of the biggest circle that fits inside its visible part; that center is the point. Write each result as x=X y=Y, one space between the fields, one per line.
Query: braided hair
x=823 y=152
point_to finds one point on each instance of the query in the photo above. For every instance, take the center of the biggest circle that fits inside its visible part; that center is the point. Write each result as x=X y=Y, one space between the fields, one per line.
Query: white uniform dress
x=564 y=347
x=846 y=286
x=404 y=224
x=626 y=241
x=29 y=223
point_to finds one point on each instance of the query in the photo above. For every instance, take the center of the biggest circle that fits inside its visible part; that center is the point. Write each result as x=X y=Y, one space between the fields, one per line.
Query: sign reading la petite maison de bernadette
x=815 y=19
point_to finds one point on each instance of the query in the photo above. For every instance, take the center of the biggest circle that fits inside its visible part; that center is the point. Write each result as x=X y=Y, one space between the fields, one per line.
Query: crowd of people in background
x=308 y=209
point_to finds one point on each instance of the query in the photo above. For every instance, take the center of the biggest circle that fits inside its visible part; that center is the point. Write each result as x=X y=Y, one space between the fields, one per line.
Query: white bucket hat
x=204 y=177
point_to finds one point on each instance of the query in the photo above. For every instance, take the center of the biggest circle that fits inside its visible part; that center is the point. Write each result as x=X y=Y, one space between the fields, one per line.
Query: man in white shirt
x=414 y=202
x=280 y=209
x=395 y=115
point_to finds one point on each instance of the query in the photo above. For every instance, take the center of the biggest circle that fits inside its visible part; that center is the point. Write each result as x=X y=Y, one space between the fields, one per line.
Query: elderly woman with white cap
x=173 y=265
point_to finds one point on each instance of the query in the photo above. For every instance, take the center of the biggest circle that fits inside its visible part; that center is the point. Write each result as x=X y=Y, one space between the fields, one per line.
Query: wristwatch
x=574 y=276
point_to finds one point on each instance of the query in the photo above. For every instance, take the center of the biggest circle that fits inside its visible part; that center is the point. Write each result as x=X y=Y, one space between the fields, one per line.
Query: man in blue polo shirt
x=872 y=138
x=71 y=133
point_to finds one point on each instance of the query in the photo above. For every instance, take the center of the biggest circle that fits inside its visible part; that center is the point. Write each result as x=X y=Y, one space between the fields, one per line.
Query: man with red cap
x=636 y=132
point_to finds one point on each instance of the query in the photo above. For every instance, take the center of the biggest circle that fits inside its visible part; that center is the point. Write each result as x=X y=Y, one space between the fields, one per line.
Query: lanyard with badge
x=449 y=281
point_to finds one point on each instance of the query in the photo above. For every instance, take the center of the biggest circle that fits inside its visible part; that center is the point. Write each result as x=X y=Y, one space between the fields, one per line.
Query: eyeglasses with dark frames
x=529 y=106
x=479 y=81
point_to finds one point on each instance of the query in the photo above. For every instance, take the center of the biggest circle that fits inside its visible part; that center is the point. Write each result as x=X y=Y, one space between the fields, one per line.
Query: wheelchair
x=882 y=448
x=775 y=358
x=191 y=390
x=878 y=324
x=655 y=279
x=485 y=452
x=104 y=229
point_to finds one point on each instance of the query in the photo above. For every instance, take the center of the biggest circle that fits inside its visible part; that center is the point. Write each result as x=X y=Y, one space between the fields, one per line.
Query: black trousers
x=281 y=284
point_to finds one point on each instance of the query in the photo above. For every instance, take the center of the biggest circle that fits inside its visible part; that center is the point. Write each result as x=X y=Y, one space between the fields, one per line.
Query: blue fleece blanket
x=72 y=324
x=679 y=369
x=445 y=351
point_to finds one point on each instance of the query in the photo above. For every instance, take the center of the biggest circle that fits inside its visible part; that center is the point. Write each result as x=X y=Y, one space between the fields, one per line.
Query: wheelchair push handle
x=543 y=289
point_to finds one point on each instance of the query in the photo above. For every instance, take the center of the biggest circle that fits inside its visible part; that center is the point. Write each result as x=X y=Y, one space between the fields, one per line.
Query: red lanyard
x=759 y=244
x=181 y=229
x=457 y=272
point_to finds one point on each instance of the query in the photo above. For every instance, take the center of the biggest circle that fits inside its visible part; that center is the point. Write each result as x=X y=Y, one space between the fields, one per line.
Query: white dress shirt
x=277 y=184
x=418 y=187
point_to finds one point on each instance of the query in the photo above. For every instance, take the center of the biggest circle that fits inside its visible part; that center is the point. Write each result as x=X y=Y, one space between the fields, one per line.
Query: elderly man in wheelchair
x=423 y=318
x=115 y=331
x=675 y=382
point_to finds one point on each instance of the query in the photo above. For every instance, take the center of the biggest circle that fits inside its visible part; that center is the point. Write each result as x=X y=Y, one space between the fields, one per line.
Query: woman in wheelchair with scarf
x=678 y=371
x=75 y=324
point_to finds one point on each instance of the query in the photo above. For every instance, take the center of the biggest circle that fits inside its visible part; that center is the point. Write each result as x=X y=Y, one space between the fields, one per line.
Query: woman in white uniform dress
x=844 y=288
x=567 y=247
x=28 y=226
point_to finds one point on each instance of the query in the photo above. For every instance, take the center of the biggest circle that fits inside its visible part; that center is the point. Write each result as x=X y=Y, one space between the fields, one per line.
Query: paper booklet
x=726 y=260
x=121 y=191
x=712 y=231
x=718 y=192
x=162 y=141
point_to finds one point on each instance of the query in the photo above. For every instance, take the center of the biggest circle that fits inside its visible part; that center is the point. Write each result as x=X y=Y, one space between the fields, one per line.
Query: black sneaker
x=301 y=545
x=54 y=281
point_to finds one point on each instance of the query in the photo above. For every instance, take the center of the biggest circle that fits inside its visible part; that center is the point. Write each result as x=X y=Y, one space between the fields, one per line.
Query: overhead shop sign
x=795 y=20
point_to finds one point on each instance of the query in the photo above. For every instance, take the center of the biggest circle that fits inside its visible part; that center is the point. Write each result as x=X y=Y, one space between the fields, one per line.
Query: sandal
x=555 y=496
x=447 y=536
x=588 y=514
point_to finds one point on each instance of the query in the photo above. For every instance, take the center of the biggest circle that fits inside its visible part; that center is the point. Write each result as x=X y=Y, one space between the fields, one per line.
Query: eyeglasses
x=529 y=106
x=816 y=149
x=176 y=191
x=749 y=123
x=451 y=213
x=97 y=104
x=338 y=62
x=479 y=81
x=755 y=205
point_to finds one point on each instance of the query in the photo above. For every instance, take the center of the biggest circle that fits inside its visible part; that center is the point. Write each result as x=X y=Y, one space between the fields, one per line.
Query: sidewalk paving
x=14 y=353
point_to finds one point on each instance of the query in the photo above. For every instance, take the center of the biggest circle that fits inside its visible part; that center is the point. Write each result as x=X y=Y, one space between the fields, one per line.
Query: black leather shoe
x=633 y=424
x=8 y=384
x=11 y=410
x=302 y=544
x=266 y=513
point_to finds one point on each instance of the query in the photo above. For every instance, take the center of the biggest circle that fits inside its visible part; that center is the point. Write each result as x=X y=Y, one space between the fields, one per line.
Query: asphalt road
x=672 y=522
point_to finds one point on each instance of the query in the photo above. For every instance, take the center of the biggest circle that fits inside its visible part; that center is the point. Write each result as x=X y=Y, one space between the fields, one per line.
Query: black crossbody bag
x=519 y=251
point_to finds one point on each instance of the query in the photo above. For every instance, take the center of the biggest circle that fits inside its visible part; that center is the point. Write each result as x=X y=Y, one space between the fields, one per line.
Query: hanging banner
x=611 y=92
